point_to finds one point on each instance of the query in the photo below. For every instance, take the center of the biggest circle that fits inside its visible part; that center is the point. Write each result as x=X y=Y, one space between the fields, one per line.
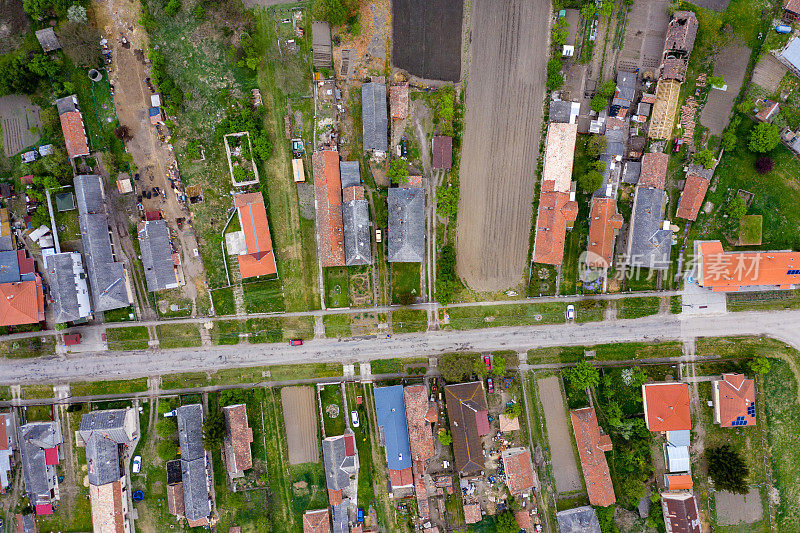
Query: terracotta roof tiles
x=666 y=406
x=591 y=448
x=74 y=134
x=654 y=170
x=330 y=224
x=260 y=257
x=729 y=271
x=519 y=470
x=556 y=212
x=734 y=401
x=694 y=191
x=604 y=224
x=21 y=302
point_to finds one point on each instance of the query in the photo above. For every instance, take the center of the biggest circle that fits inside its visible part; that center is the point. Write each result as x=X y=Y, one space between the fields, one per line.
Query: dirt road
x=152 y=156
x=501 y=140
x=565 y=470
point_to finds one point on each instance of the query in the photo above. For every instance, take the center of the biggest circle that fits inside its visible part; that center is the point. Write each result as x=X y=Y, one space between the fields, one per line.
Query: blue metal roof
x=390 y=408
x=9 y=267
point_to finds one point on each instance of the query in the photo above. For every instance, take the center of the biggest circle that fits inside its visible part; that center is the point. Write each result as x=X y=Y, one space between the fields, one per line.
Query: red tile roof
x=21 y=302
x=72 y=340
x=519 y=470
x=334 y=497
x=666 y=406
x=792 y=5
x=420 y=434
x=240 y=435
x=260 y=257
x=463 y=401
x=25 y=262
x=51 y=456
x=401 y=478
x=680 y=513
x=398 y=100
x=654 y=170
x=721 y=271
x=679 y=482
x=733 y=394
x=523 y=519
x=74 y=134
x=605 y=222
x=482 y=421
x=694 y=191
x=591 y=449
x=175 y=503
x=330 y=226
x=317 y=521
x=349 y=444
x=350 y=194
x=556 y=212
x=3 y=434
x=651 y=98
x=768 y=111
x=442 y=152
x=472 y=513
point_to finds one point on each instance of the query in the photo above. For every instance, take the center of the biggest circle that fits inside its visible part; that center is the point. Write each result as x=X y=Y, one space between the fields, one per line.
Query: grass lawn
x=255 y=374
x=337 y=287
x=676 y=304
x=750 y=229
x=32 y=347
x=763 y=301
x=337 y=325
x=178 y=335
x=95 y=388
x=638 y=307
x=505 y=315
x=409 y=320
x=37 y=391
x=224 y=303
x=386 y=366
x=5 y=392
x=543 y=280
x=605 y=352
x=742 y=347
x=590 y=310
x=263 y=296
x=38 y=413
x=119 y=315
x=406 y=282
x=67 y=223
x=132 y=338
x=227 y=331
x=332 y=395
x=279 y=329
x=283 y=519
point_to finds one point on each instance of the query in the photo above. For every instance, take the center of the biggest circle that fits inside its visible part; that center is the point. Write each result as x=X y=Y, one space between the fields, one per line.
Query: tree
x=167 y=449
x=728 y=140
x=764 y=137
x=514 y=410
x=590 y=182
x=479 y=367
x=164 y=407
x=77 y=14
x=172 y=8
x=764 y=164
x=582 y=376
x=123 y=133
x=736 y=208
x=499 y=365
x=596 y=146
x=506 y=522
x=166 y=427
x=760 y=365
x=560 y=32
x=607 y=89
x=333 y=11
x=727 y=469
x=262 y=147
x=716 y=81
x=554 y=78
x=16 y=76
x=445 y=438
x=705 y=158
x=214 y=430
x=598 y=103
x=37 y=9
x=447 y=200
x=398 y=170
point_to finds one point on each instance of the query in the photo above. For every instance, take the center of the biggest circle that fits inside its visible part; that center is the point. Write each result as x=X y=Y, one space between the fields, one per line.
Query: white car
x=137 y=464
x=354 y=419
x=570 y=312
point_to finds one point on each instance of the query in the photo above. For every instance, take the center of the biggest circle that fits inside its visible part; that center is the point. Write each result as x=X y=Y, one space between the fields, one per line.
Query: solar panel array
x=751 y=409
x=740 y=421
x=792 y=272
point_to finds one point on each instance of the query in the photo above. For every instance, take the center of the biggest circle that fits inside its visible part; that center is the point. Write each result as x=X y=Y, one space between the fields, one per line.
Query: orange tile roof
x=334 y=497
x=398 y=100
x=351 y=194
x=666 y=406
x=591 y=448
x=260 y=257
x=556 y=211
x=21 y=302
x=733 y=394
x=654 y=170
x=680 y=513
x=728 y=271
x=401 y=478
x=694 y=191
x=605 y=222
x=519 y=470
x=330 y=226
x=420 y=435
x=523 y=519
x=74 y=134
x=472 y=513
x=679 y=482
x=239 y=437
x=317 y=521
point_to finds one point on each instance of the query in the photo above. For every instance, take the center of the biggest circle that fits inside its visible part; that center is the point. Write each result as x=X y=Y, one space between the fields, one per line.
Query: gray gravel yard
x=565 y=469
x=735 y=509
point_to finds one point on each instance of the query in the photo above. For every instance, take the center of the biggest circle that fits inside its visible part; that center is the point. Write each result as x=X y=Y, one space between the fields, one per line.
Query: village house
x=257 y=258
x=731 y=271
x=650 y=236
x=7 y=444
x=236 y=445
x=374 y=119
x=194 y=480
x=69 y=292
x=467 y=412
x=158 y=258
x=398 y=101
x=734 y=398
x=355 y=216
x=317 y=521
x=592 y=445
x=421 y=414
x=680 y=513
x=21 y=290
x=39 y=456
x=520 y=478
x=330 y=224
x=666 y=406
x=694 y=191
x=390 y=413
x=578 y=520
x=72 y=125
x=406 y=224
x=605 y=221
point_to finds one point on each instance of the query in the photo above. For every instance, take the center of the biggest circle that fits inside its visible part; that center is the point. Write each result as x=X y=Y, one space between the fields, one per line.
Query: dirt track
x=565 y=470
x=501 y=140
x=300 y=418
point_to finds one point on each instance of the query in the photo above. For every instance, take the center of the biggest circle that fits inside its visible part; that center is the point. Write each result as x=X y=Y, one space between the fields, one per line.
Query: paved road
x=781 y=325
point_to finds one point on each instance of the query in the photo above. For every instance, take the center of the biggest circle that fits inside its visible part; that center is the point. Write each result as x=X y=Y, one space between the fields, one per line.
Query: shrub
x=764 y=137
x=705 y=158
x=764 y=164
x=582 y=376
x=591 y=181
x=554 y=78
x=727 y=469
x=598 y=103
x=167 y=449
x=172 y=8
x=736 y=208
x=728 y=140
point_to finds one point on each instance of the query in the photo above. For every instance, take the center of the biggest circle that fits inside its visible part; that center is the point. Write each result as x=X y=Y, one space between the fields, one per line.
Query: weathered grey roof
x=615 y=148
x=338 y=465
x=154 y=243
x=67 y=104
x=357 y=248
x=648 y=244
x=102 y=461
x=340 y=518
x=195 y=488
x=190 y=431
x=34 y=439
x=89 y=193
x=9 y=267
x=560 y=111
x=374 y=117
x=350 y=173
x=406 y=225
x=174 y=474
x=66 y=293
x=626 y=85
x=107 y=424
x=578 y=520
x=631 y=172
x=48 y=40
x=791 y=53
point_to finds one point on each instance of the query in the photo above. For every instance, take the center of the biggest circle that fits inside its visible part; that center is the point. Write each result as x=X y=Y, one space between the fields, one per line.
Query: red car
x=490 y=385
x=488 y=361
x=296 y=342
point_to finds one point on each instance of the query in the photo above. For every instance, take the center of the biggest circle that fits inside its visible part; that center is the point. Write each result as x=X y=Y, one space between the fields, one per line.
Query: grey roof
x=48 y=40
x=357 y=247
x=190 y=431
x=578 y=520
x=106 y=276
x=648 y=244
x=610 y=173
x=9 y=267
x=34 y=439
x=560 y=111
x=406 y=225
x=108 y=424
x=791 y=54
x=63 y=289
x=340 y=517
x=67 y=104
x=626 y=85
x=350 y=173
x=631 y=172
x=195 y=488
x=615 y=148
x=338 y=465
x=102 y=461
x=679 y=437
x=6 y=243
x=374 y=119
x=154 y=243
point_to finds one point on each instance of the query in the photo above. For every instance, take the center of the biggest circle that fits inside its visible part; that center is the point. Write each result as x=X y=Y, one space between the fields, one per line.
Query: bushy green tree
x=167 y=449
x=172 y=8
x=736 y=208
x=582 y=376
x=716 y=81
x=607 y=89
x=506 y=522
x=560 y=32
x=764 y=137
x=445 y=438
x=727 y=469
x=16 y=75
x=446 y=279
x=499 y=365
x=596 y=145
x=728 y=141
x=554 y=78
x=598 y=103
x=514 y=410
x=705 y=158
x=590 y=182
x=213 y=430
x=760 y=365
x=398 y=170
x=447 y=201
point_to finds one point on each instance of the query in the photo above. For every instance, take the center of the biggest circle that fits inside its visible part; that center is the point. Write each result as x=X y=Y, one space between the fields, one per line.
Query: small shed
x=65 y=201
x=152 y=215
x=47 y=38
x=124 y=185
x=156 y=117
x=72 y=340
x=298 y=171
x=47 y=149
x=155 y=100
